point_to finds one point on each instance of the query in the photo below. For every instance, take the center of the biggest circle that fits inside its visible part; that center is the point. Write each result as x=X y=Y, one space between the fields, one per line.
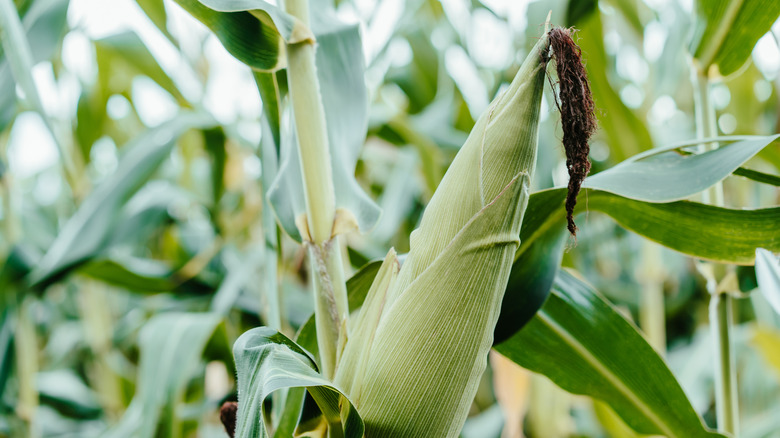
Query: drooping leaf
x=251 y=34
x=694 y=229
x=726 y=31
x=597 y=352
x=87 y=231
x=768 y=276
x=267 y=361
x=155 y=10
x=698 y=230
x=663 y=175
x=171 y=345
x=125 y=54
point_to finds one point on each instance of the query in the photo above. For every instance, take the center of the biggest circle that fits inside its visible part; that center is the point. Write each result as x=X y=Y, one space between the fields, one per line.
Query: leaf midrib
x=607 y=374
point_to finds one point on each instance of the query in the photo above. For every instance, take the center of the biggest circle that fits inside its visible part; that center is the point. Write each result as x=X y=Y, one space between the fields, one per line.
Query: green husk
x=417 y=374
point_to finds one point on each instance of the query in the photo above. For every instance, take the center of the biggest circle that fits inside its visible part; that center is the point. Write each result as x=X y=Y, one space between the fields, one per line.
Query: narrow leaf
x=597 y=352
x=254 y=42
x=171 y=345
x=665 y=175
x=768 y=276
x=698 y=230
x=87 y=231
x=726 y=31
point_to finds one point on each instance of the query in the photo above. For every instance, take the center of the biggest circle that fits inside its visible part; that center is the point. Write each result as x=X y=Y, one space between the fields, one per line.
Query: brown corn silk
x=578 y=118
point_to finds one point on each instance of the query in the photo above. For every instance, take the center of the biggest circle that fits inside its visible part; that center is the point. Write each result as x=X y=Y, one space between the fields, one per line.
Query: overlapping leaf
x=597 y=352
x=268 y=361
x=171 y=346
x=726 y=31
x=87 y=231
x=663 y=175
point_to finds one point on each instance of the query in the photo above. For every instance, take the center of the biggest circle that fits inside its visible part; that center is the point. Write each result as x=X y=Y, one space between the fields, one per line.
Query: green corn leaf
x=44 y=24
x=768 y=276
x=663 y=175
x=726 y=31
x=87 y=232
x=597 y=352
x=703 y=231
x=124 y=54
x=6 y=346
x=252 y=40
x=267 y=361
x=171 y=345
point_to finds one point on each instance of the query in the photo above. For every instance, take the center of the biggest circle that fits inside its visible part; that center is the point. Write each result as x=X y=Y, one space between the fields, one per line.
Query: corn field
x=390 y=218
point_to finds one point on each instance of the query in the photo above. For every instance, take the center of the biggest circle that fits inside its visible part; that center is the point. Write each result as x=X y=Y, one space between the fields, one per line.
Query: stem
x=721 y=318
x=652 y=314
x=706 y=127
x=721 y=313
x=330 y=313
x=312 y=133
x=330 y=292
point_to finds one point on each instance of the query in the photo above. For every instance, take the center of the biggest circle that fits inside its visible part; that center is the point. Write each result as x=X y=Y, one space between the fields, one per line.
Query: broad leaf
x=253 y=31
x=663 y=175
x=87 y=231
x=267 y=361
x=726 y=31
x=698 y=230
x=171 y=346
x=768 y=276
x=597 y=352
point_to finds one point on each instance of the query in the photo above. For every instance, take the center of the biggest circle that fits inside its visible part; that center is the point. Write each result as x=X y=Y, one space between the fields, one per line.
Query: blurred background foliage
x=132 y=265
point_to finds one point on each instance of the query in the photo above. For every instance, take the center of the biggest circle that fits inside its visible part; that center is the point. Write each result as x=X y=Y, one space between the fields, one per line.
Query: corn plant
x=211 y=282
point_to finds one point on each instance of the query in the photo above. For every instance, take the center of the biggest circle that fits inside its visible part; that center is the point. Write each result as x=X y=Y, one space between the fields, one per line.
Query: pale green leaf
x=663 y=175
x=267 y=361
x=125 y=54
x=86 y=233
x=768 y=276
x=726 y=31
x=254 y=42
x=597 y=352
x=171 y=345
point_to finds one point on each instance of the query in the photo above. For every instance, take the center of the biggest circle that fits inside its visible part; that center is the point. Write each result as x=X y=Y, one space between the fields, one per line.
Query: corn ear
x=429 y=349
x=501 y=145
